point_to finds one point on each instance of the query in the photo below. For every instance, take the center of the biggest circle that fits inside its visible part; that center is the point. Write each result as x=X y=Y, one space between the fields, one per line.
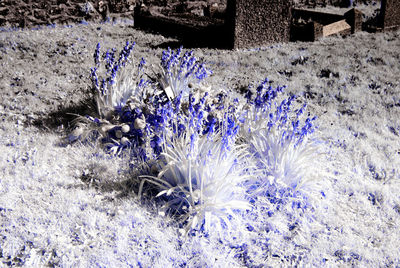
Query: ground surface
x=51 y=214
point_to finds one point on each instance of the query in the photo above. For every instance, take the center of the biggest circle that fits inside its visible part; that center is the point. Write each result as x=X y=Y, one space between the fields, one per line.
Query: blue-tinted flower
x=204 y=154
x=178 y=70
x=117 y=84
x=96 y=55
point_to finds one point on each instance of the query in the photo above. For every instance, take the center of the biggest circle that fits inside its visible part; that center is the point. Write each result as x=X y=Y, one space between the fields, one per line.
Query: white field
x=51 y=216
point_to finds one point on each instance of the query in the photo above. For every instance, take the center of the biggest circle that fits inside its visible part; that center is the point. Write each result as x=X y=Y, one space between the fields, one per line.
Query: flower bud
x=118 y=134
x=131 y=105
x=104 y=129
x=139 y=123
x=77 y=131
x=125 y=128
x=124 y=141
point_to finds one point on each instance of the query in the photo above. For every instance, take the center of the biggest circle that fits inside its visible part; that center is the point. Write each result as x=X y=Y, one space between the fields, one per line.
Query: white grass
x=51 y=215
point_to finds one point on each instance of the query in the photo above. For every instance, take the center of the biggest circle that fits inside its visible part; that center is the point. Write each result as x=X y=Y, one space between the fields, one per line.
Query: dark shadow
x=302 y=32
x=122 y=188
x=192 y=44
x=190 y=31
x=64 y=116
x=374 y=23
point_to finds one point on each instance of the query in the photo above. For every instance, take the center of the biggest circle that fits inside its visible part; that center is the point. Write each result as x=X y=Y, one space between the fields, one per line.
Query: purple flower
x=96 y=55
x=178 y=71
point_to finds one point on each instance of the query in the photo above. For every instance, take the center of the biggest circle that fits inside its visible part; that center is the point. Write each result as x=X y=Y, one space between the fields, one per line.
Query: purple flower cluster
x=185 y=65
x=178 y=71
x=187 y=124
x=264 y=108
x=151 y=120
x=112 y=66
x=169 y=120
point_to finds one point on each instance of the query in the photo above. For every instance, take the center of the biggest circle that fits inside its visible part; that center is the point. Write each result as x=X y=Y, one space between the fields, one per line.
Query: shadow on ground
x=64 y=116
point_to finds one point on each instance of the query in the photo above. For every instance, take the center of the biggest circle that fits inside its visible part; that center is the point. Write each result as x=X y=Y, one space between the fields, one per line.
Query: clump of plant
x=204 y=155
x=117 y=81
x=278 y=136
x=178 y=71
x=201 y=167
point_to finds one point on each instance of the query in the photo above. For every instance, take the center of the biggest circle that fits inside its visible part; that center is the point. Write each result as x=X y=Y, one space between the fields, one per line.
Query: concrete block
x=390 y=14
x=255 y=23
x=323 y=18
x=318 y=30
x=354 y=19
x=339 y=27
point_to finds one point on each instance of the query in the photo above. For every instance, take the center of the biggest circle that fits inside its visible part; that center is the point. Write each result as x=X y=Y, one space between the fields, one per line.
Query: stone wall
x=337 y=3
x=27 y=13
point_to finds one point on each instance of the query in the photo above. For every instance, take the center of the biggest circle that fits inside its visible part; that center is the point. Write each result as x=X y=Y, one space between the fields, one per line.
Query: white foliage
x=203 y=178
x=127 y=85
x=280 y=160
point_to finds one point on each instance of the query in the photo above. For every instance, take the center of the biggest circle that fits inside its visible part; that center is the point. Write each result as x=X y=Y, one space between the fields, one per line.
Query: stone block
x=390 y=14
x=317 y=30
x=354 y=19
x=255 y=23
x=192 y=30
x=339 y=27
x=321 y=17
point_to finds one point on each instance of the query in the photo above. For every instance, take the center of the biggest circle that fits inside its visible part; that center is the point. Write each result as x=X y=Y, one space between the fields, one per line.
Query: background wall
x=341 y=3
x=25 y=13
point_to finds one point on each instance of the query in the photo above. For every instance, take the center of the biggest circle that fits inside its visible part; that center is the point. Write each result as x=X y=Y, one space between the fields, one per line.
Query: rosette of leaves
x=202 y=170
x=278 y=138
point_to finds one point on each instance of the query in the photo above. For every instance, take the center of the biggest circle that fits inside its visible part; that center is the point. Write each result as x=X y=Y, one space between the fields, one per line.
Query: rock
x=215 y=10
x=87 y=8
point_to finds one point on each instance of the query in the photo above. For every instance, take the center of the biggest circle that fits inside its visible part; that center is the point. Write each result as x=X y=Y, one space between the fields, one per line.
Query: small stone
x=87 y=8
